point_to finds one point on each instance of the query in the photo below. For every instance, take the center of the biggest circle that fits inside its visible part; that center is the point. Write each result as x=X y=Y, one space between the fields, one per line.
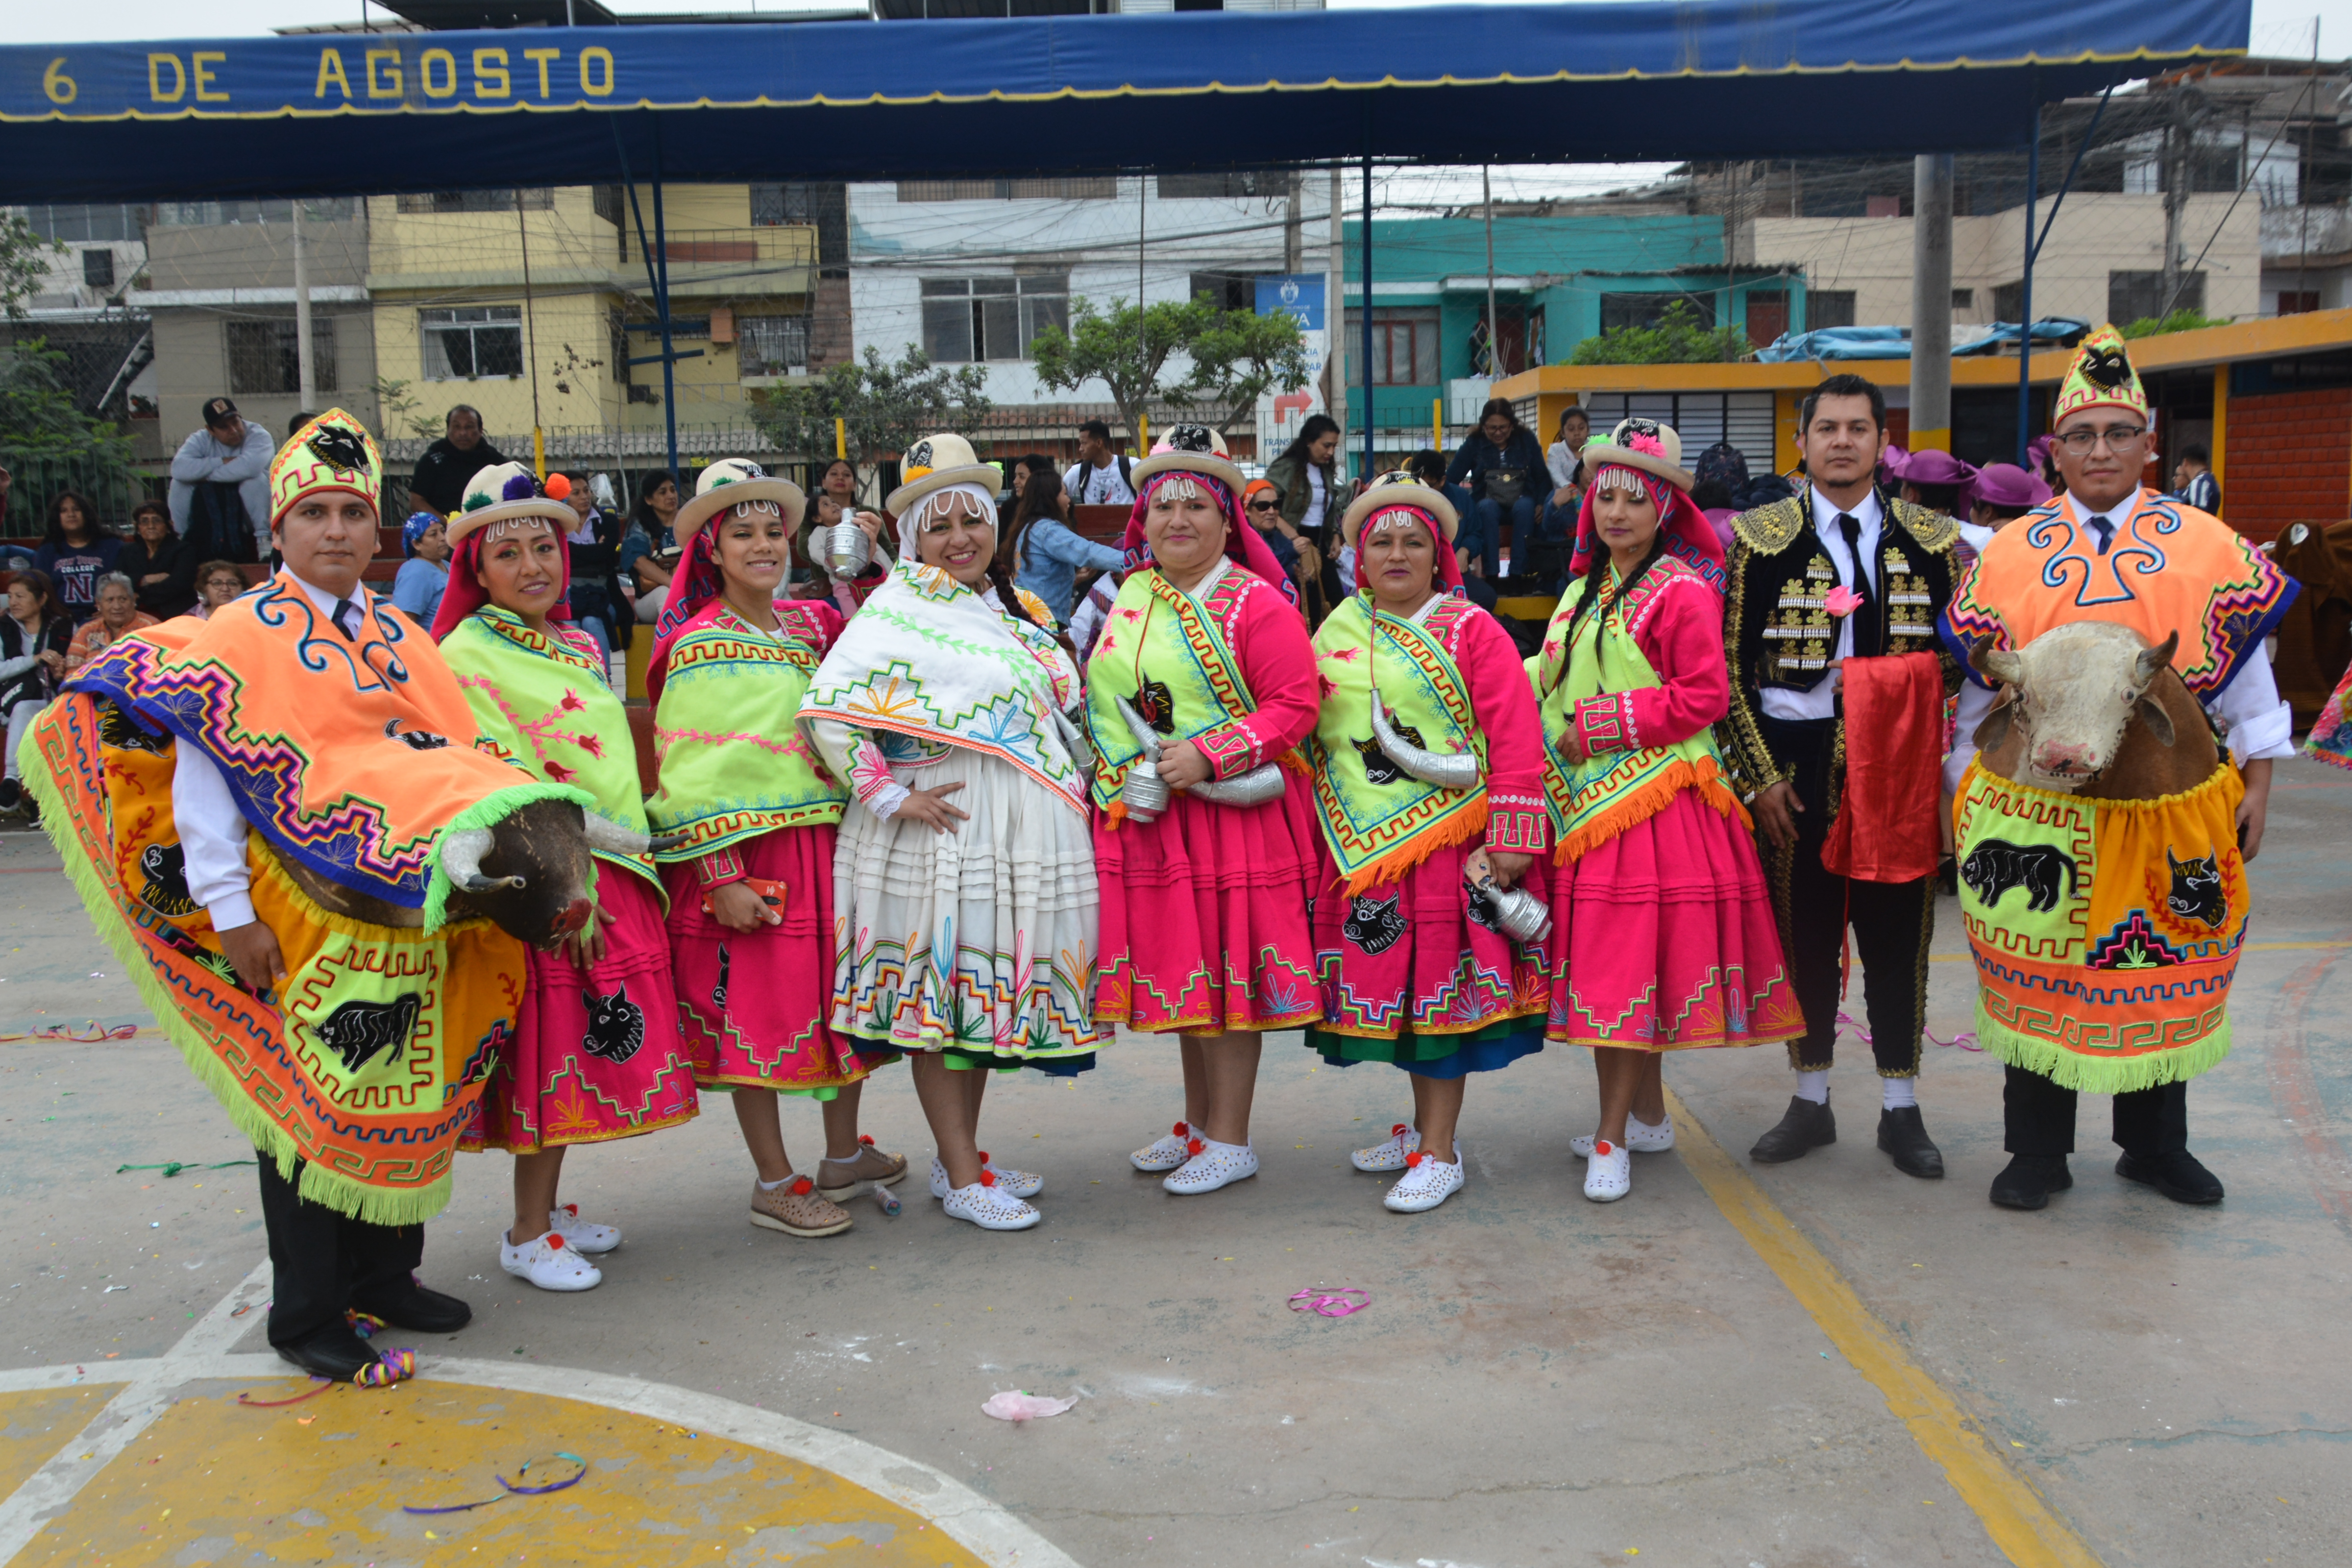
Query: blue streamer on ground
x=509 y=1489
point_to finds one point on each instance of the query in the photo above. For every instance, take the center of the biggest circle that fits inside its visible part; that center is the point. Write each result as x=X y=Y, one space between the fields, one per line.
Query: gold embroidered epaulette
x=1772 y=528
x=1933 y=530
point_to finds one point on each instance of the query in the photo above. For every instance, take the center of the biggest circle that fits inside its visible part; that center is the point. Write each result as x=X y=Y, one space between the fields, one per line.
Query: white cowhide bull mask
x=2072 y=692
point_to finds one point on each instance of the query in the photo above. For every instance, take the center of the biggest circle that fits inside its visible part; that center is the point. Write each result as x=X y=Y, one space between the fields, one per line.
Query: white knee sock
x=1813 y=1086
x=1899 y=1092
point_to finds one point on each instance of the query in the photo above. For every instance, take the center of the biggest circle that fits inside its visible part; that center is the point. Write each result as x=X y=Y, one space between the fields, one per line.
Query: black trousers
x=324 y=1262
x=2039 y=1118
x=1893 y=922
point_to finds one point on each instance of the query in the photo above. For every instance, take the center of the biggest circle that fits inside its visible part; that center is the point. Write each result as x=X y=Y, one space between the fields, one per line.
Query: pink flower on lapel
x=1843 y=601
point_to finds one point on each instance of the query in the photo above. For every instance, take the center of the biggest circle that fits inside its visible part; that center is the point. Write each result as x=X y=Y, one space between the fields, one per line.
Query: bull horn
x=1144 y=735
x=2152 y=660
x=1997 y=665
x=461 y=858
x=604 y=834
x=1142 y=791
x=1072 y=728
x=1447 y=770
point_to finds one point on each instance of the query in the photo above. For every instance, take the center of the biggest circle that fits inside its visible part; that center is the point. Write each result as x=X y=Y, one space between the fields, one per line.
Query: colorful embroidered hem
x=2330 y=740
x=366 y=1069
x=1420 y=957
x=1488 y=1049
x=2105 y=931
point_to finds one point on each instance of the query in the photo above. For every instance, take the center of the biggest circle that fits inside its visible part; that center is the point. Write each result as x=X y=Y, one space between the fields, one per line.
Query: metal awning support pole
x=2025 y=291
x=661 y=307
x=1364 y=268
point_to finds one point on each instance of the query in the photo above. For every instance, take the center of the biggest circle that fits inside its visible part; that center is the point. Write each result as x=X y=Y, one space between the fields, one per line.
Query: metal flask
x=1072 y=728
x=1144 y=792
x=847 y=550
x=1260 y=784
x=1447 y=770
x=1523 y=917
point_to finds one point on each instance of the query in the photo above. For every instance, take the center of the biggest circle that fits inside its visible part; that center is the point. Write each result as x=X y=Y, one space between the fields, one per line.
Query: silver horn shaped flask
x=1255 y=787
x=1143 y=792
x=1522 y=916
x=1446 y=770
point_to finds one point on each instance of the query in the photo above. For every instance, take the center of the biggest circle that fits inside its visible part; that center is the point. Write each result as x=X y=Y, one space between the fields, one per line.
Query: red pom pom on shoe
x=1398 y=1130
x=572 y=1209
x=1412 y=1159
x=801 y=1187
x=1194 y=1146
x=984 y=1156
x=987 y=1177
x=866 y=1139
x=554 y=1242
x=1181 y=1130
x=1601 y=1146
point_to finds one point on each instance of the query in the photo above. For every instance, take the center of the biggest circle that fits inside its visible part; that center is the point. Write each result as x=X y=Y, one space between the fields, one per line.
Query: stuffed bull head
x=2069 y=695
x=529 y=871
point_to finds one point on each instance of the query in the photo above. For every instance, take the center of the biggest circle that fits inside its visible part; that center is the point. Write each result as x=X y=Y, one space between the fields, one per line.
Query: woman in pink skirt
x=1200 y=688
x=1427 y=818
x=1664 y=935
x=596 y=1053
x=751 y=879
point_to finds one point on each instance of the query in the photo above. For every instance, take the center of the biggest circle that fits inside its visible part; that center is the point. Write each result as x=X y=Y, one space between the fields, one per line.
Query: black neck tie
x=1864 y=619
x=346 y=618
x=2106 y=531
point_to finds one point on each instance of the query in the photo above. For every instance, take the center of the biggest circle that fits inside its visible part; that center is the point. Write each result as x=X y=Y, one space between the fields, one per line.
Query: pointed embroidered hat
x=2101 y=377
x=1192 y=449
x=936 y=462
x=506 y=492
x=729 y=483
x=333 y=453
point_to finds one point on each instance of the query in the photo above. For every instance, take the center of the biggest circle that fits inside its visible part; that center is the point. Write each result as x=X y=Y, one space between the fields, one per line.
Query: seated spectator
x=74 y=553
x=1307 y=473
x=118 y=617
x=648 y=552
x=1503 y=464
x=444 y=467
x=424 y=576
x=1041 y=550
x=1564 y=460
x=597 y=602
x=220 y=485
x=217 y=583
x=160 y=564
x=34 y=636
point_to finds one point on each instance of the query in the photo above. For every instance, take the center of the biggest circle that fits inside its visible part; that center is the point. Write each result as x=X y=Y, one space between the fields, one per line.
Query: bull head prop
x=2069 y=695
x=529 y=871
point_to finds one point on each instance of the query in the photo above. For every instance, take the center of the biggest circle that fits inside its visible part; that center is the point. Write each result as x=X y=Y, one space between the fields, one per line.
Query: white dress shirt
x=212 y=827
x=2254 y=722
x=1820 y=700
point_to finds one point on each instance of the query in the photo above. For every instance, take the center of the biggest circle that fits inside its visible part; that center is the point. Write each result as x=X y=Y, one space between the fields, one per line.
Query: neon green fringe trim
x=484 y=812
x=2100 y=1075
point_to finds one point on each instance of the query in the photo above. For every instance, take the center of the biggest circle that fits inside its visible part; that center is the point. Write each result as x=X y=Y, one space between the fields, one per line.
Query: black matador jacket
x=1777 y=631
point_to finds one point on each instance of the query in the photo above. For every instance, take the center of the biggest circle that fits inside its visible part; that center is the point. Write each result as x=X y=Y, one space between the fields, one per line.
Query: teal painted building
x=1557 y=280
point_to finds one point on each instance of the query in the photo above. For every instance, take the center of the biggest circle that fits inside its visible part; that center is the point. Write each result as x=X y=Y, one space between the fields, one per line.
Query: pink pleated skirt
x=1204 y=921
x=598 y=1055
x=755 y=1005
x=1411 y=957
x=1663 y=939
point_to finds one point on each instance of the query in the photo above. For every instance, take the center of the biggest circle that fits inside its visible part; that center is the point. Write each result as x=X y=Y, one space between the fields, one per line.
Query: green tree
x=41 y=428
x=395 y=406
x=24 y=264
x=1228 y=357
x=884 y=407
x=2182 y=321
x=1679 y=338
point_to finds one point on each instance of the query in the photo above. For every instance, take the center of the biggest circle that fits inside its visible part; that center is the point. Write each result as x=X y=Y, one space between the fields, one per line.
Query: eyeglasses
x=1265 y=506
x=2116 y=437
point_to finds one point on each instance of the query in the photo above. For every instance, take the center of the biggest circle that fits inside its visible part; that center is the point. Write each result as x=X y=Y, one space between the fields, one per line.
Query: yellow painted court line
x=2027 y=1531
x=2250 y=947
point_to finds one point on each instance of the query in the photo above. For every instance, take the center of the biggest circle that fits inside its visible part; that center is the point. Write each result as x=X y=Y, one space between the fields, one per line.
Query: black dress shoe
x=333 y=1351
x=1805 y=1126
x=1902 y=1134
x=2028 y=1181
x=2178 y=1176
x=421 y=1311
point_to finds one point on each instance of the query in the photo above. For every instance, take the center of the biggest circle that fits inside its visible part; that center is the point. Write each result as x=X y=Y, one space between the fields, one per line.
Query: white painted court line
x=983 y=1527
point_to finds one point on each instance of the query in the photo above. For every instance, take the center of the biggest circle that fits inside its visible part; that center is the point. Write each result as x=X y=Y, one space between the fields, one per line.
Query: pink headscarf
x=1243 y=545
x=1688 y=536
x=1447 y=574
x=465 y=593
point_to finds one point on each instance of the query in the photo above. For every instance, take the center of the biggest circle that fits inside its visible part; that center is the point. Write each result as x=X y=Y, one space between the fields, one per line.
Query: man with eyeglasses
x=2111 y=548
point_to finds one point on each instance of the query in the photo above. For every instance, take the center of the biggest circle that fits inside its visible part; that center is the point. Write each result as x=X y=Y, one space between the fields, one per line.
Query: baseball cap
x=219 y=412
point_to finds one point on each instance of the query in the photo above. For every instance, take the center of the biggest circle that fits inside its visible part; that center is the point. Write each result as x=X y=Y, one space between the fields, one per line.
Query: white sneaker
x=549 y=1262
x=1403 y=1140
x=1427 y=1183
x=1165 y=1153
x=585 y=1235
x=1012 y=1184
x=1611 y=1175
x=1639 y=1137
x=984 y=1205
x=1212 y=1165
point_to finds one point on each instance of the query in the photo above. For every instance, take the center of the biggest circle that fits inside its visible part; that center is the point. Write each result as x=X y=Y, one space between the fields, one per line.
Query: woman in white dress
x=964 y=886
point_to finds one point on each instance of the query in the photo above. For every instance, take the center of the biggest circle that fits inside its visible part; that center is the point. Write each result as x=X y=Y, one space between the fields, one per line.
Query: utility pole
x=1335 y=310
x=1494 y=334
x=1290 y=224
x=531 y=343
x=2176 y=198
x=305 y=377
x=1931 y=302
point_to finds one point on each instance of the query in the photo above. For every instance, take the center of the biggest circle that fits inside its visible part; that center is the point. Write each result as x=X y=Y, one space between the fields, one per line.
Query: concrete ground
x=1538 y=1380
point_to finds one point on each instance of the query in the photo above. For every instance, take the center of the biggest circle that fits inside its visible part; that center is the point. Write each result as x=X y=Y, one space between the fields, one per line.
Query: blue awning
x=343 y=113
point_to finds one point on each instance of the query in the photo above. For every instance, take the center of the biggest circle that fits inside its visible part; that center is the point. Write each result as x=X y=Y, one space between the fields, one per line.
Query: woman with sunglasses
x=1200 y=689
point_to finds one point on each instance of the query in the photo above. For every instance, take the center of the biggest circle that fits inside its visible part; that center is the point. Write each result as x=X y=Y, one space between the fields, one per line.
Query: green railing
x=38 y=476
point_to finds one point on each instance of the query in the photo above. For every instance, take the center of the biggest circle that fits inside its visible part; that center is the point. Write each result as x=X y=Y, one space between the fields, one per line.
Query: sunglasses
x=1265 y=506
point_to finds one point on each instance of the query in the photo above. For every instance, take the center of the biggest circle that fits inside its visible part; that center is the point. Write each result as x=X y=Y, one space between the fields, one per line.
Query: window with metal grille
x=2135 y=295
x=969 y=321
x=1700 y=418
x=2297 y=301
x=1083 y=188
x=204 y=214
x=471 y=341
x=78 y=222
x=538 y=199
x=773 y=345
x=1234 y=184
x=97 y=269
x=1645 y=308
x=1828 y=308
x=264 y=356
x=1404 y=348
